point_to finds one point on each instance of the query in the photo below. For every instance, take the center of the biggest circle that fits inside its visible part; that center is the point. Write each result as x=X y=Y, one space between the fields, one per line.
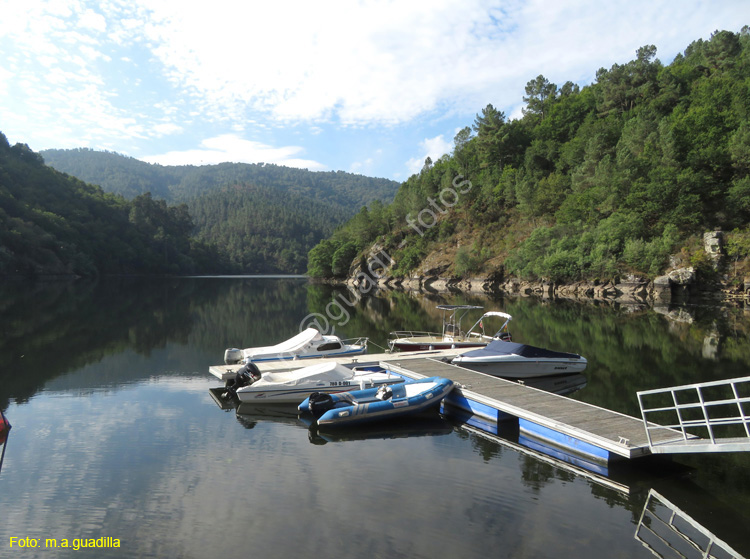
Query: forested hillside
x=263 y=230
x=130 y=177
x=51 y=223
x=596 y=182
x=264 y=218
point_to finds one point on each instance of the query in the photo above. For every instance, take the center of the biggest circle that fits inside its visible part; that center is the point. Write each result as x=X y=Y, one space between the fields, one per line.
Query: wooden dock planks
x=616 y=433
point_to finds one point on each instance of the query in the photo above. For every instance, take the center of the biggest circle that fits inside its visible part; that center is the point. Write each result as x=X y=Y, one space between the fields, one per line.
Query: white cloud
x=388 y=62
x=232 y=148
x=434 y=148
x=124 y=73
x=167 y=129
x=361 y=167
x=92 y=20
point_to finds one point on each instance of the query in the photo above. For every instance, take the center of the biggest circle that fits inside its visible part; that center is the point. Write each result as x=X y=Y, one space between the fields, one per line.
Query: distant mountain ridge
x=130 y=177
x=262 y=218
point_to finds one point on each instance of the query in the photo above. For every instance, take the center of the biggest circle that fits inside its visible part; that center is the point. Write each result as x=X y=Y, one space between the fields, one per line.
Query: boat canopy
x=499 y=347
x=500 y=314
x=323 y=372
x=497 y=313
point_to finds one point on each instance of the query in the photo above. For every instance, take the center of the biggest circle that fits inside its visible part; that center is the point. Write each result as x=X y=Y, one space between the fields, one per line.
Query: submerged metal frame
x=660 y=527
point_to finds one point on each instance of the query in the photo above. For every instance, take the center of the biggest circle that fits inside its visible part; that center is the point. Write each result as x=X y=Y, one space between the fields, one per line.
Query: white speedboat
x=291 y=387
x=308 y=344
x=452 y=335
x=511 y=360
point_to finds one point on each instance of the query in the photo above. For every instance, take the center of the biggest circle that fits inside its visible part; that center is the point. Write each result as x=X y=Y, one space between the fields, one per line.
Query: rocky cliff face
x=680 y=284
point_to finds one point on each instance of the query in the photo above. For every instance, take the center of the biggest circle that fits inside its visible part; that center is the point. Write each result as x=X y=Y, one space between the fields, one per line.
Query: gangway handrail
x=684 y=427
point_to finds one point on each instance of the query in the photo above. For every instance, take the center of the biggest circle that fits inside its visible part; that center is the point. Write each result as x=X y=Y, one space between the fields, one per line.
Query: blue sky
x=366 y=87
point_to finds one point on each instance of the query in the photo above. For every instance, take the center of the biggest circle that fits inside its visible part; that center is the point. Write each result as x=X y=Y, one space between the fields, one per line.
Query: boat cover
x=323 y=372
x=499 y=347
x=291 y=345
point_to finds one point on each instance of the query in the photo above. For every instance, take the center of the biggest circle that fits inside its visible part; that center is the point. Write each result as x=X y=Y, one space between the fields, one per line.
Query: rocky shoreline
x=679 y=286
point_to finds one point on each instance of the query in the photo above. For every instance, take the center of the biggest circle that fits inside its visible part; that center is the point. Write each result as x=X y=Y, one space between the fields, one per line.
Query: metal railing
x=704 y=417
x=355 y=341
x=414 y=334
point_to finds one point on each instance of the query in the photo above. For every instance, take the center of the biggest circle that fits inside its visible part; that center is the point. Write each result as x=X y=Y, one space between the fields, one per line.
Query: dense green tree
x=341 y=260
x=320 y=259
x=540 y=95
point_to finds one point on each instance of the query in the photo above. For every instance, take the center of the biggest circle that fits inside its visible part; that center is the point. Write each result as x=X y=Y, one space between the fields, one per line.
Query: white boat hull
x=524 y=368
x=513 y=361
x=291 y=387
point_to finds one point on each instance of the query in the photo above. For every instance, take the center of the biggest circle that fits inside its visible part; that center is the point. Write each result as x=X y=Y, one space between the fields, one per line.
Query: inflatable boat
x=376 y=404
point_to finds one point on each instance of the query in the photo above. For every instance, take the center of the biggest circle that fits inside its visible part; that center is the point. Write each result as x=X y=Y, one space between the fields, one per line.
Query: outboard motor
x=385 y=392
x=246 y=375
x=232 y=356
x=319 y=402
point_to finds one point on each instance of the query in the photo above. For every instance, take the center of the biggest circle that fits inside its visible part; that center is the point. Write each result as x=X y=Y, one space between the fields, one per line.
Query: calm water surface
x=115 y=433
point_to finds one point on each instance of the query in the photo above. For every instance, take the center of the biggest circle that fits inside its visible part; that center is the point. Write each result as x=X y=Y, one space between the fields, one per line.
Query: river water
x=117 y=442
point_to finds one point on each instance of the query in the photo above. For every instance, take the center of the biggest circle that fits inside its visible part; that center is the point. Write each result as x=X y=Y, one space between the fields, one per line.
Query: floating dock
x=589 y=431
x=592 y=433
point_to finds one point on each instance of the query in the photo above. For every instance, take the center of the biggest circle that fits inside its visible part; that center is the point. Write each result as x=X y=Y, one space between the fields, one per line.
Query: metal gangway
x=705 y=417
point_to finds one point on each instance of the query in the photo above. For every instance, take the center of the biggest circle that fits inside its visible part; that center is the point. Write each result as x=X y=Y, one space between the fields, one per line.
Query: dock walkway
x=586 y=429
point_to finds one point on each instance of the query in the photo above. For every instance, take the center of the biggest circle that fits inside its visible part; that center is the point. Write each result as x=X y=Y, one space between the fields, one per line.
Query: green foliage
x=737 y=247
x=408 y=258
x=320 y=259
x=342 y=259
x=468 y=262
x=650 y=257
x=261 y=230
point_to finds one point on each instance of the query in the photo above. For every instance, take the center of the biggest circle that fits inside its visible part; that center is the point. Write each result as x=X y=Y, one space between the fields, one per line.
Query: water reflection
x=250 y=415
x=116 y=433
x=667 y=531
x=54 y=328
x=557 y=384
x=427 y=424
